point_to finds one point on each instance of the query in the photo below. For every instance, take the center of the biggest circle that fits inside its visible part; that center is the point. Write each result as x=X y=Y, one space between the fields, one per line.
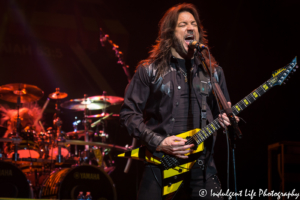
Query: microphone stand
x=103 y=38
x=234 y=130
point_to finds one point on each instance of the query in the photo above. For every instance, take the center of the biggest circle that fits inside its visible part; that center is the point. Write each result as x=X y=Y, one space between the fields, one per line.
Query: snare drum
x=68 y=182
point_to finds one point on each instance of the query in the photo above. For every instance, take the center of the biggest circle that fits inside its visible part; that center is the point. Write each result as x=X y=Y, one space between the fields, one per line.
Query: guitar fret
x=200 y=136
x=216 y=124
x=246 y=101
x=196 y=138
x=241 y=105
x=247 y=97
x=251 y=98
x=212 y=126
x=205 y=133
x=237 y=107
x=260 y=91
x=209 y=131
x=234 y=110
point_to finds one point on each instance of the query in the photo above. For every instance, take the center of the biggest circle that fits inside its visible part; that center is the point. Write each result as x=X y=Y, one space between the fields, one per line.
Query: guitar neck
x=213 y=126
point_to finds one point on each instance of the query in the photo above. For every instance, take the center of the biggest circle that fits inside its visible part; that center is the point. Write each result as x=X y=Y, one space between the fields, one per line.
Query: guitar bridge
x=169 y=162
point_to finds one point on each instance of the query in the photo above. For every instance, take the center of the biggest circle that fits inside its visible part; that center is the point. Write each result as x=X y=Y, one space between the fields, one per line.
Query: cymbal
x=113 y=100
x=79 y=133
x=81 y=104
x=114 y=116
x=27 y=93
x=58 y=95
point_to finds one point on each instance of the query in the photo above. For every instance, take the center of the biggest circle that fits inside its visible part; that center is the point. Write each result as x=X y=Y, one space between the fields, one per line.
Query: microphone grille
x=193 y=44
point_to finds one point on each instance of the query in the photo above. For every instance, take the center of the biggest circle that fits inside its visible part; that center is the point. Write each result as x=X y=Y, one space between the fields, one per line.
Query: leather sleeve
x=131 y=114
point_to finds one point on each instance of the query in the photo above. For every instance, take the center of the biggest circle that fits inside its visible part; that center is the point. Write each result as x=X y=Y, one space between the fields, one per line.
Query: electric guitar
x=174 y=169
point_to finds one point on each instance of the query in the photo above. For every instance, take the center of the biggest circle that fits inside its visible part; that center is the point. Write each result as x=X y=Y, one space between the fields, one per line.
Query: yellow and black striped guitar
x=175 y=168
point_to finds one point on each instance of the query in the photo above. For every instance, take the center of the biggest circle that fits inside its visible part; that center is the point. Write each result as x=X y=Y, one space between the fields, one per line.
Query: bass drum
x=67 y=183
x=13 y=182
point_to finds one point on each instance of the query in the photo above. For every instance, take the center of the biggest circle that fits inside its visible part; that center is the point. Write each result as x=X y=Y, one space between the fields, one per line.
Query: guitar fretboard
x=213 y=126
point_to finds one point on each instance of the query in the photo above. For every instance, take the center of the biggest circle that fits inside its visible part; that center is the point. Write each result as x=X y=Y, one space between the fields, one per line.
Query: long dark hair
x=161 y=51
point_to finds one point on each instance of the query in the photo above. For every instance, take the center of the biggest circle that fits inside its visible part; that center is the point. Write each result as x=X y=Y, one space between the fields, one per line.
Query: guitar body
x=173 y=177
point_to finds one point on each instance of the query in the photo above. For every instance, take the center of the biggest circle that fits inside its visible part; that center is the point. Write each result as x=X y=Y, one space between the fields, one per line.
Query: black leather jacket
x=149 y=109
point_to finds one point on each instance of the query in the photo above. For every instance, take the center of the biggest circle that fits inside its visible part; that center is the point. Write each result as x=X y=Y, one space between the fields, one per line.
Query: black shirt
x=188 y=114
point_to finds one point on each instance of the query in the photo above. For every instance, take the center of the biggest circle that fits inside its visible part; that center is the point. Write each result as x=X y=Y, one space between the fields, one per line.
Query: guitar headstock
x=280 y=76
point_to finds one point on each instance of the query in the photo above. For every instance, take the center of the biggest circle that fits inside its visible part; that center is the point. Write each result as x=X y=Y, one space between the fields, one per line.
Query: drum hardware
x=100 y=144
x=86 y=123
x=100 y=120
x=43 y=109
x=57 y=122
x=111 y=116
x=14 y=140
x=75 y=126
x=79 y=133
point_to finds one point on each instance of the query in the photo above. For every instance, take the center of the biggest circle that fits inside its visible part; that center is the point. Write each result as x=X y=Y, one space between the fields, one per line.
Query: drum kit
x=47 y=163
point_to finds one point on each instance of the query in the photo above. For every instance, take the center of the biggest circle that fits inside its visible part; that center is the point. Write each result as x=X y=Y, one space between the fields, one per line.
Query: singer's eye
x=182 y=24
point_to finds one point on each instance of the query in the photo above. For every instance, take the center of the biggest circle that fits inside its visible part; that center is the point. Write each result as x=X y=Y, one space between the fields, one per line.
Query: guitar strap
x=204 y=95
x=204 y=90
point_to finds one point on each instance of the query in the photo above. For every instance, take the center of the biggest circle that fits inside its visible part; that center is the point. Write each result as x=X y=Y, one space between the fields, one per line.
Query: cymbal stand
x=57 y=122
x=105 y=151
x=18 y=130
x=75 y=125
x=86 y=123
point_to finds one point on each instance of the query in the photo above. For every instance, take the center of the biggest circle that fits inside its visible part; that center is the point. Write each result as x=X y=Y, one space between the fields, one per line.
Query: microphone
x=195 y=44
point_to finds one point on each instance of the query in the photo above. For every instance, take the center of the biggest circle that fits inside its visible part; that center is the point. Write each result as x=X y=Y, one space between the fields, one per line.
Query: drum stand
x=15 y=156
x=86 y=123
x=58 y=123
x=75 y=127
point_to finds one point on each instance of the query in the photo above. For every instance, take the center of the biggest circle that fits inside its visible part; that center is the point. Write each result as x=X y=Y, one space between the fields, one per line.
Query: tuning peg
x=296 y=66
x=284 y=83
x=294 y=70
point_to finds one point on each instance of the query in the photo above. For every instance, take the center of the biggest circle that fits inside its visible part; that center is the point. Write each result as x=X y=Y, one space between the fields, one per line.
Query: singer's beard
x=179 y=47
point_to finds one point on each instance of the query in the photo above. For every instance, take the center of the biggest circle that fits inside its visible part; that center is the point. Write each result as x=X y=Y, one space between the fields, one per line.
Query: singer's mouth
x=188 y=39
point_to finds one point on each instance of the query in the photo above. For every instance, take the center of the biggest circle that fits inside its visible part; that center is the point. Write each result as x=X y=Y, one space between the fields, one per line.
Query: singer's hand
x=175 y=146
x=223 y=119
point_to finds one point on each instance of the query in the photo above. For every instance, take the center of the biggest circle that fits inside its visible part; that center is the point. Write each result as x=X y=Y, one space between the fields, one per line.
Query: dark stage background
x=56 y=44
